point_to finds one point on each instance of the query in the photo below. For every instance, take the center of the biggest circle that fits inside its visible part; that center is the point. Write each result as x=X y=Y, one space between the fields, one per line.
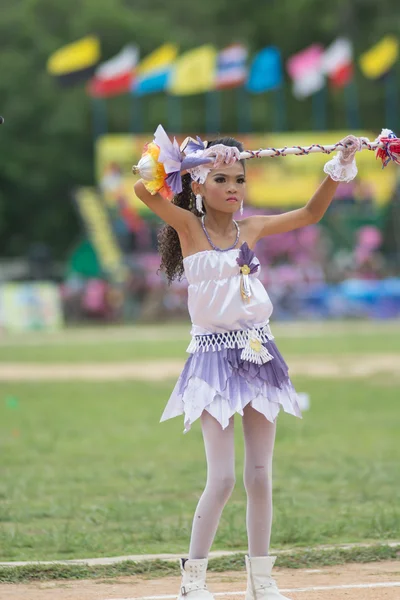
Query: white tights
x=259 y=438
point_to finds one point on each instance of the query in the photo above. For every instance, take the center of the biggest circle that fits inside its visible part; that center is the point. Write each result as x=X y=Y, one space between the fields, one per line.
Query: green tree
x=46 y=143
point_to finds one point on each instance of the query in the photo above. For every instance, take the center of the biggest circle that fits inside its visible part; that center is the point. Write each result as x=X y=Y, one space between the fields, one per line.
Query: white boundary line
x=356 y=586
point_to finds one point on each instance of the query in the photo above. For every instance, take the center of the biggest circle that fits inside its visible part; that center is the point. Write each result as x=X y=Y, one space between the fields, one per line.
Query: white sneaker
x=260 y=584
x=193 y=585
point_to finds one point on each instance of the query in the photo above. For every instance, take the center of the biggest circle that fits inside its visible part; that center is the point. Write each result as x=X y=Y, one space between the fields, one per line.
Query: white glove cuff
x=340 y=172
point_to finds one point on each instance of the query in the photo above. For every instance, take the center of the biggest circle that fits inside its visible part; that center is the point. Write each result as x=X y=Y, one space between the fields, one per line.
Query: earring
x=241 y=207
x=199 y=203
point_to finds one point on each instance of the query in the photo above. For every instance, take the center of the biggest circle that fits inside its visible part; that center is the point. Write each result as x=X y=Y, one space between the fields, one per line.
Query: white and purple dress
x=233 y=359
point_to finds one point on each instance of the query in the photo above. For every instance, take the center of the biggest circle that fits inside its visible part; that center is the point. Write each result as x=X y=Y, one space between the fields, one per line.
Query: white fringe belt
x=250 y=340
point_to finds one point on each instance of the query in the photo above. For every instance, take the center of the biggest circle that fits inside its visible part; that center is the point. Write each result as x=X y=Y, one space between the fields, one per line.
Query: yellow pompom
x=150 y=170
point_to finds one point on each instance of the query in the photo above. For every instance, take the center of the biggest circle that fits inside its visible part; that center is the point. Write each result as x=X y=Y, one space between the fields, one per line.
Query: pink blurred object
x=150 y=262
x=309 y=236
x=305 y=68
x=309 y=59
x=361 y=254
x=94 y=298
x=369 y=237
x=287 y=274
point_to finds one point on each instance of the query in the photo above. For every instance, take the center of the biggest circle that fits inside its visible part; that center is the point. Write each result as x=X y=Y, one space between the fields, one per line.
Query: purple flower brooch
x=247 y=267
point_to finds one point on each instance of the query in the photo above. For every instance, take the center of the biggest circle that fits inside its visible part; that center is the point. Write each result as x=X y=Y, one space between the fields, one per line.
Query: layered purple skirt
x=222 y=383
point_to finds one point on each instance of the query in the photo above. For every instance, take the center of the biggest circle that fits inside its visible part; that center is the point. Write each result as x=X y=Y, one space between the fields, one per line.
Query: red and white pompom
x=391 y=148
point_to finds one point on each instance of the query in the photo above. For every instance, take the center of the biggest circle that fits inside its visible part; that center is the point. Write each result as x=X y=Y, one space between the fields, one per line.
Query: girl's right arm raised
x=180 y=219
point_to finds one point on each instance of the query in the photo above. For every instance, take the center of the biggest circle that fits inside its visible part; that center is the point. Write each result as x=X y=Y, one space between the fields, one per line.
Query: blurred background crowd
x=82 y=95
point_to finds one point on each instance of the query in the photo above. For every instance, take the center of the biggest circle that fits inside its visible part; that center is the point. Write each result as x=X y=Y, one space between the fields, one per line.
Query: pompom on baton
x=163 y=161
x=390 y=148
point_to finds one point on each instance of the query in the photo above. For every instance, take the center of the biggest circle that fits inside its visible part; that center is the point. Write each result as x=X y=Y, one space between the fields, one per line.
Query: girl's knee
x=223 y=486
x=259 y=480
x=227 y=484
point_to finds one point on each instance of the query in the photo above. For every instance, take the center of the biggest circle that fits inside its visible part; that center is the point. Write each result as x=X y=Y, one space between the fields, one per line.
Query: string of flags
x=205 y=68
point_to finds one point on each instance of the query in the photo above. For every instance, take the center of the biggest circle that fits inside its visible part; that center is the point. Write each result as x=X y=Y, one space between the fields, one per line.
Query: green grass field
x=88 y=470
x=144 y=343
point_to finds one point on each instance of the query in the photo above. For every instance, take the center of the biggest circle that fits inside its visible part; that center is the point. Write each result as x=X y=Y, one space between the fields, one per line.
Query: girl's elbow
x=312 y=218
x=138 y=187
x=140 y=190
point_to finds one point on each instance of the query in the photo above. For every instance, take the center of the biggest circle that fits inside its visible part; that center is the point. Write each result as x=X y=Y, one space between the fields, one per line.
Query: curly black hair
x=168 y=241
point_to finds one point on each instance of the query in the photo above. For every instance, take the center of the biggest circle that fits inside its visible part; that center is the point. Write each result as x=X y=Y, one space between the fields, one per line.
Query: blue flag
x=266 y=71
x=151 y=83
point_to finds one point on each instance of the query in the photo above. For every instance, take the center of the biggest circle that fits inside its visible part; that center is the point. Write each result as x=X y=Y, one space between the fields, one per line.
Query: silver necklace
x=216 y=247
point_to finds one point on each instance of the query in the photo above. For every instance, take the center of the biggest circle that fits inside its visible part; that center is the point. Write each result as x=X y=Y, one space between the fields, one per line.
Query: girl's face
x=224 y=188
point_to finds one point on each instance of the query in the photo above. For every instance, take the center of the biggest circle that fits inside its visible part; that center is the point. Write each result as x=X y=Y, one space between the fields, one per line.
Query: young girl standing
x=234 y=364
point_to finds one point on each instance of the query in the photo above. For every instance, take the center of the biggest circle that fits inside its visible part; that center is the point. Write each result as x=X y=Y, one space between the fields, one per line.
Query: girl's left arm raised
x=341 y=168
x=312 y=212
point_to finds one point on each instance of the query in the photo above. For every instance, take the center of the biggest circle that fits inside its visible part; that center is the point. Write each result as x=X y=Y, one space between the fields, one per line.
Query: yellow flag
x=158 y=59
x=380 y=58
x=194 y=72
x=78 y=56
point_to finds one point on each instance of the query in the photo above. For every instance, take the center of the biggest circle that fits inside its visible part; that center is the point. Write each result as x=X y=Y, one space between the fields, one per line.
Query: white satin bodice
x=214 y=300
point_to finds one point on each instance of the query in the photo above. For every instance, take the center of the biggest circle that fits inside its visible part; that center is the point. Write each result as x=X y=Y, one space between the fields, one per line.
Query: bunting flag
x=379 y=59
x=194 y=72
x=265 y=71
x=337 y=62
x=231 y=70
x=305 y=68
x=115 y=76
x=75 y=62
x=154 y=71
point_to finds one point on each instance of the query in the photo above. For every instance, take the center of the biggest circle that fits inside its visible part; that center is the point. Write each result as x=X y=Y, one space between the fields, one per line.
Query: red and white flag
x=231 y=67
x=337 y=62
x=115 y=76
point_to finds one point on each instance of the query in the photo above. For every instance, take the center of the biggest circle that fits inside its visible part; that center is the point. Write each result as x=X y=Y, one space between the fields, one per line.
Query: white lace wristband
x=340 y=172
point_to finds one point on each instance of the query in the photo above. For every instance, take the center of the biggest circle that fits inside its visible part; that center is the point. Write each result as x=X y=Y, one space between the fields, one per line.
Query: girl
x=235 y=366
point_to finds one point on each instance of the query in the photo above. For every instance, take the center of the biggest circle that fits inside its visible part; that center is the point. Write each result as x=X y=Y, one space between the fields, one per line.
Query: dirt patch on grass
x=309 y=366
x=327 y=583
